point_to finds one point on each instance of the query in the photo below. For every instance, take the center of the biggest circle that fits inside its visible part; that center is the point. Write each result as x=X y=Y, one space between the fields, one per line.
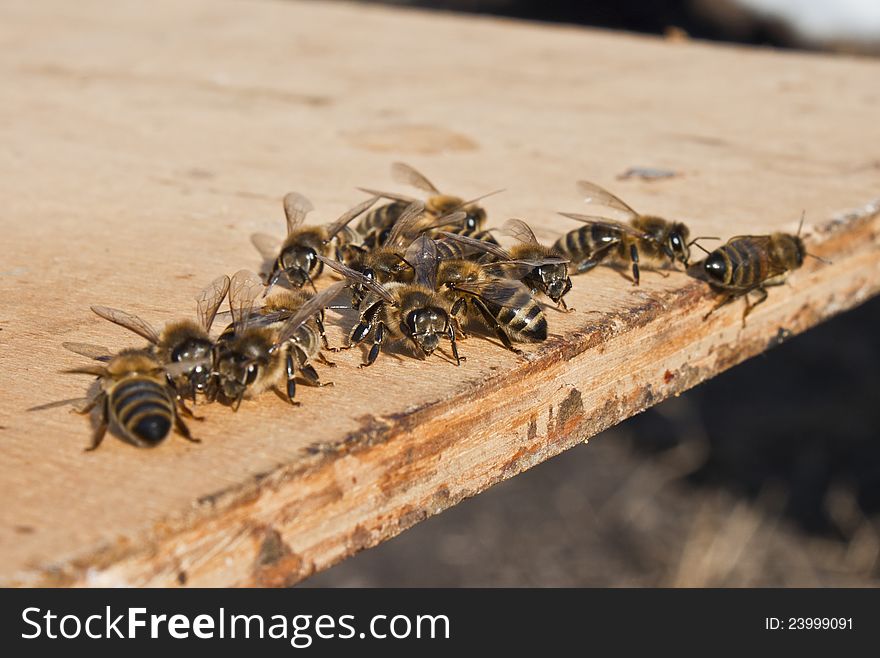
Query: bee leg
x=749 y=306
x=101 y=429
x=183 y=430
x=323 y=359
x=459 y=306
x=362 y=329
x=493 y=324
x=186 y=411
x=378 y=337
x=291 y=379
x=451 y=333
x=319 y=320
x=561 y=301
x=274 y=275
x=307 y=370
x=634 y=257
x=595 y=258
x=729 y=297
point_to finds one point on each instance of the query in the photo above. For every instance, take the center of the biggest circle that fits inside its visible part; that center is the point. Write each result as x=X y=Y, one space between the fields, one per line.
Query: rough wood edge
x=297 y=519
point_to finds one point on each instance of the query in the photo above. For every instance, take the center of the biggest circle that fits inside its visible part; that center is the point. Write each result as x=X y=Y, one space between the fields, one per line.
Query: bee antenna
x=405 y=261
x=696 y=243
x=801 y=225
x=818 y=258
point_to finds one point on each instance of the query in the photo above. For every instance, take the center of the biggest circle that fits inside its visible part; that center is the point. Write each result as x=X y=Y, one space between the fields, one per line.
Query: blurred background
x=766 y=475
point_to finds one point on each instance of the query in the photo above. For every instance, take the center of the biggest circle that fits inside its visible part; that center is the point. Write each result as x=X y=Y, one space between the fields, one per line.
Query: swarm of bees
x=418 y=273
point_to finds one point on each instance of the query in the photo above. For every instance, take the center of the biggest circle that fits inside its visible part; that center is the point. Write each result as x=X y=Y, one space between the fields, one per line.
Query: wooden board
x=143 y=144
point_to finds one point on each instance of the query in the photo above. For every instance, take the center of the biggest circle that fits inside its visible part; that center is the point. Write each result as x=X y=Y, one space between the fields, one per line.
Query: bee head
x=300 y=264
x=475 y=218
x=553 y=280
x=236 y=369
x=425 y=326
x=198 y=354
x=677 y=247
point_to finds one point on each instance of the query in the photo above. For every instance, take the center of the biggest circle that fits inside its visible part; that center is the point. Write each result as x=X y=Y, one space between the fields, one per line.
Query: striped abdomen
x=741 y=263
x=376 y=224
x=583 y=243
x=143 y=410
x=448 y=249
x=520 y=317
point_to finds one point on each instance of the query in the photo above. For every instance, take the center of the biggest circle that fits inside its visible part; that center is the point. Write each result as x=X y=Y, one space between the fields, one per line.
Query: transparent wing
x=609 y=224
x=267 y=245
x=296 y=207
x=422 y=255
x=388 y=195
x=503 y=292
x=357 y=277
x=517 y=269
x=406 y=223
x=465 y=204
x=311 y=308
x=601 y=197
x=78 y=403
x=449 y=219
x=96 y=352
x=244 y=289
x=478 y=245
x=348 y=215
x=407 y=175
x=129 y=321
x=519 y=230
x=208 y=301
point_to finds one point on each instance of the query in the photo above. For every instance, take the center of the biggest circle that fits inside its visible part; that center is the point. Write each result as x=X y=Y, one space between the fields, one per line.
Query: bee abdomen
x=523 y=322
x=143 y=409
x=747 y=263
x=381 y=217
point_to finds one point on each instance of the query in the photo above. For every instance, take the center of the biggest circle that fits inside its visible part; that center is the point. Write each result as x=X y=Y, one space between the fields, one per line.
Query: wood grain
x=142 y=145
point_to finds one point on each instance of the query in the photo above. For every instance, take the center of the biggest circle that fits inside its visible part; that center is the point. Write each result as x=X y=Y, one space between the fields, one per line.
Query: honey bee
x=134 y=396
x=377 y=224
x=295 y=258
x=414 y=314
x=750 y=263
x=269 y=349
x=540 y=268
x=185 y=343
x=502 y=305
x=652 y=238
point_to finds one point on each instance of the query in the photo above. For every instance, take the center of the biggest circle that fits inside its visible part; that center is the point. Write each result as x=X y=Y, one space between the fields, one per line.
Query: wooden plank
x=143 y=144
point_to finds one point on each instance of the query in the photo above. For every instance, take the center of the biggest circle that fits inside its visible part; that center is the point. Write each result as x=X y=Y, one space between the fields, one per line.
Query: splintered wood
x=143 y=144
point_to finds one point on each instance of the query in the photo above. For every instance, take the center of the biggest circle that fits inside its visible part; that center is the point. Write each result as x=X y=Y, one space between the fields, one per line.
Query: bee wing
x=611 y=224
x=78 y=403
x=422 y=255
x=510 y=293
x=465 y=204
x=517 y=269
x=296 y=207
x=357 y=277
x=267 y=245
x=388 y=195
x=129 y=321
x=406 y=223
x=96 y=352
x=519 y=230
x=311 y=308
x=600 y=196
x=449 y=219
x=348 y=215
x=407 y=175
x=244 y=289
x=208 y=301
x=478 y=245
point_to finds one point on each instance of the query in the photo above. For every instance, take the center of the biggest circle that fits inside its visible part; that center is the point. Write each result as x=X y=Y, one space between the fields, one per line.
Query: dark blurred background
x=766 y=475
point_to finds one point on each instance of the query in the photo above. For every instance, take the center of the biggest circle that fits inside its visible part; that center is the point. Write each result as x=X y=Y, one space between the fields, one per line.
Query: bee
x=388 y=263
x=652 y=238
x=414 y=314
x=503 y=305
x=540 y=268
x=377 y=224
x=134 y=396
x=750 y=263
x=268 y=350
x=295 y=258
x=184 y=343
